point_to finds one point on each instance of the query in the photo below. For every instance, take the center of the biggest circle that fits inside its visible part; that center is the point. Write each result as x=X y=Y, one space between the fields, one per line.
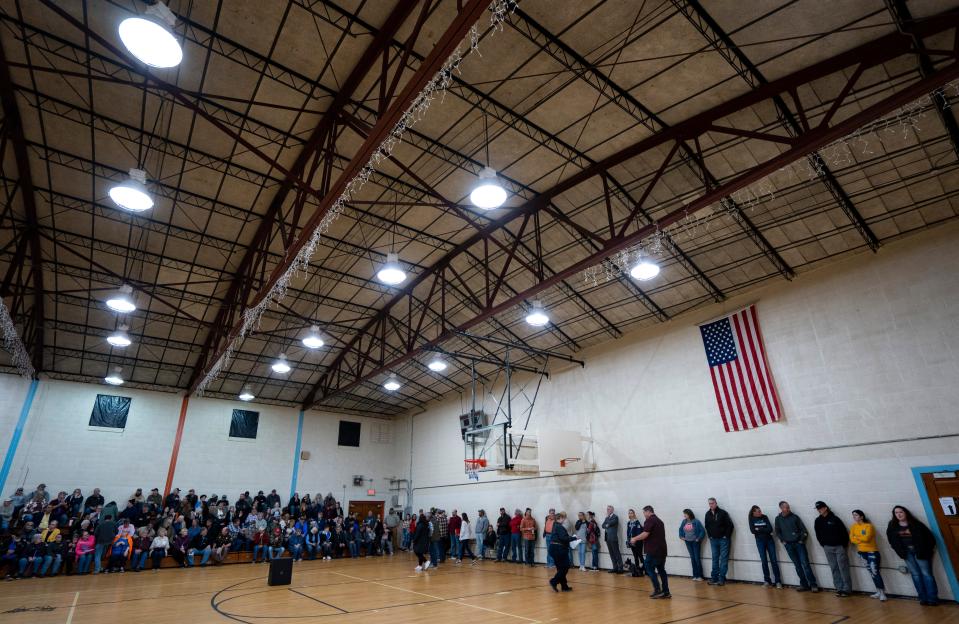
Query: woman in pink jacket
x=85 y=547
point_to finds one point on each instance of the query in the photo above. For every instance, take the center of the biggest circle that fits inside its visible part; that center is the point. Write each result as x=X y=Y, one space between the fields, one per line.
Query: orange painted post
x=176 y=447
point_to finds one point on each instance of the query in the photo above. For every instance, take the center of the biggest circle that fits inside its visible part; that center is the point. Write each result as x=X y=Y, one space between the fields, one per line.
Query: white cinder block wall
x=60 y=449
x=866 y=358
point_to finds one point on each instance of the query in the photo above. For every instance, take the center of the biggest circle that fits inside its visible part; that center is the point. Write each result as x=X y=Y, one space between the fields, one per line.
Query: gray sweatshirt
x=790 y=529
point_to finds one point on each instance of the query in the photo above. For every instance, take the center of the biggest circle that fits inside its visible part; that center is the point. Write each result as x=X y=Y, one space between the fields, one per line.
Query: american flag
x=743 y=383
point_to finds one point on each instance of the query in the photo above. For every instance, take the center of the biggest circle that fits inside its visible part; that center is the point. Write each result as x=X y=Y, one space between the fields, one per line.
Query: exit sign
x=371 y=492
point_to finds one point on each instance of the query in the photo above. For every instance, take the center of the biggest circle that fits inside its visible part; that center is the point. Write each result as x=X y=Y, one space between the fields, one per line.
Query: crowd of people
x=42 y=536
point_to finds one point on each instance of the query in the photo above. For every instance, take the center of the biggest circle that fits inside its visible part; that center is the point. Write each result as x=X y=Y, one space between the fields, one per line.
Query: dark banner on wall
x=110 y=411
x=243 y=424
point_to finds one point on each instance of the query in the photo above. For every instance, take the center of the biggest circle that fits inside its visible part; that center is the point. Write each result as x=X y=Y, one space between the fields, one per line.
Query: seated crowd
x=72 y=534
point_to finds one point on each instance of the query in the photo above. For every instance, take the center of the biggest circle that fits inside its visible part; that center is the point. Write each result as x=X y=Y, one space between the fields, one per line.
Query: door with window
x=943 y=491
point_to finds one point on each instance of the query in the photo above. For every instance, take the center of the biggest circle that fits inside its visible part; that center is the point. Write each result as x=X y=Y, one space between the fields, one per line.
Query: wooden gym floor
x=388 y=591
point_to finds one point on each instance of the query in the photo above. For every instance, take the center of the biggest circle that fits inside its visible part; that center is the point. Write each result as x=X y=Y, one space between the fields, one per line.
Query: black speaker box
x=281 y=571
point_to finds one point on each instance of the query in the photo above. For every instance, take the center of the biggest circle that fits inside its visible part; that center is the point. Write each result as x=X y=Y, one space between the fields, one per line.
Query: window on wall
x=243 y=424
x=110 y=411
x=349 y=433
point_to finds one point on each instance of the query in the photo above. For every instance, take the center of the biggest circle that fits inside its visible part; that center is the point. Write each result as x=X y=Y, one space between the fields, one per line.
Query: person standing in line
x=654 y=538
x=453 y=527
x=611 y=534
x=833 y=536
x=436 y=540
x=527 y=529
x=515 y=538
x=503 y=535
x=914 y=543
x=719 y=528
x=792 y=533
x=582 y=526
x=442 y=524
x=633 y=528
x=762 y=530
x=466 y=538
x=593 y=533
x=421 y=543
x=863 y=535
x=547 y=533
x=480 y=530
x=559 y=545
x=692 y=532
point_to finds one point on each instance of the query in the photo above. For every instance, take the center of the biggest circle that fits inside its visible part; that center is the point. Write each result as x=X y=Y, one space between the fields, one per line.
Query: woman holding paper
x=559 y=546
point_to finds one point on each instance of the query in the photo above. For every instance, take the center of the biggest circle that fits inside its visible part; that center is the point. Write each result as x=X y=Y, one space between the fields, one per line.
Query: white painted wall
x=866 y=358
x=60 y=449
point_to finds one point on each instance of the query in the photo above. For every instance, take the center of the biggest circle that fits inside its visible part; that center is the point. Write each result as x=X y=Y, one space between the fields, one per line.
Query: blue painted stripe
x=17 y=433
x=927 y=504
x=296 y=454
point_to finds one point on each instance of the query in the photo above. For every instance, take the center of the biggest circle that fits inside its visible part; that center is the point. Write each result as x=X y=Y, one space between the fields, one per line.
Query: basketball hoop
x=563 y=463
x=472 y=467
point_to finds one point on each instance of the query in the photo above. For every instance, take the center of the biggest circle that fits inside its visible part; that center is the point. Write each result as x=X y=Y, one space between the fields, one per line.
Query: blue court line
x=917 y=472
x=296 y=454
x=17 y=433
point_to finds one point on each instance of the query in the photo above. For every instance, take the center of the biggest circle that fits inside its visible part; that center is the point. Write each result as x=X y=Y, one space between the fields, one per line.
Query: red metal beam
x=322 y=133
x=869 y=55
x=13 y=126
x=468 y=14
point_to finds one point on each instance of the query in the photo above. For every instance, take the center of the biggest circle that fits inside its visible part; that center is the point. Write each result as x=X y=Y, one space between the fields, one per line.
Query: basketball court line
x=73 y=608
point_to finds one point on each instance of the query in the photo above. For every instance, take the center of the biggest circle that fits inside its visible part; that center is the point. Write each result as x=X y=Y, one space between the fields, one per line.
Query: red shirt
x=514 y=523
x=455 y=523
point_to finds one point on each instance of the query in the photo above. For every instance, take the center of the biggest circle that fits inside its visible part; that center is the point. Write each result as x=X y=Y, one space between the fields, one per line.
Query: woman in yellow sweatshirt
x=863 y=535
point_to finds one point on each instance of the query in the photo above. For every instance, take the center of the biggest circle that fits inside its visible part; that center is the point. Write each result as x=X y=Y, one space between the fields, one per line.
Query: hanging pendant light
x=644 y=270
x=313 y=340
x=437 y=365
x=120 y=338
x=392 y=384
x=392 y=273
x=537 y=316
x=114 y=378
x=280 y=365
x=246 y=394
x=488 y=194
x=132 y=194
x=149 y=40
x=122 y=300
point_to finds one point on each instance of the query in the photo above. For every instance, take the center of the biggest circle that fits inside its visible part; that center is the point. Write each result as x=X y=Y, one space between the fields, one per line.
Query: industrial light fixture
x=149 y=40
x=437 y=365
x=114 y=378
x=120 y=338
x=392 y=384
x=313 y=339
x=122 y=300
x=246 y=394
x=488 y=193
x=392 y=273
x=537 y=316
x=644 y=270
x=280 y=365
x=132 y=194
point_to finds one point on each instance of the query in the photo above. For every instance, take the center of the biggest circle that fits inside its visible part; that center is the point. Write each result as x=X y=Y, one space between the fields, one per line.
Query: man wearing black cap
x=833 y=537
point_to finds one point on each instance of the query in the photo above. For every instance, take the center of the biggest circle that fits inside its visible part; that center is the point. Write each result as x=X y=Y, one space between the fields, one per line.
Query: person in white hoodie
x=466 y=538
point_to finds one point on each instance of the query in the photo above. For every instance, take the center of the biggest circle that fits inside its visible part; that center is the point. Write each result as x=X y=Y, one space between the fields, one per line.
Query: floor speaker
x=281 y=571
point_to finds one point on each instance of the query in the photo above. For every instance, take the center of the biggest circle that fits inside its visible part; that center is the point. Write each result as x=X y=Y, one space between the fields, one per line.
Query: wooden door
x=361 y=507
x=943 y=491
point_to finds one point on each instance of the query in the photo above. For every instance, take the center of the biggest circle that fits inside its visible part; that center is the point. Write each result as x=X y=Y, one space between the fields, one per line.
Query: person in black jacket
x=762 y=529
x=834 y=537
x=421 y=543
x=200 y=544
x=559 y=550
x=719 y=528
x=913 y=541
x=502 y=535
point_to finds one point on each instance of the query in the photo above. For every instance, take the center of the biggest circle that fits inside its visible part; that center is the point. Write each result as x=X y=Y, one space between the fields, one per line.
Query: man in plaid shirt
x=442 y=524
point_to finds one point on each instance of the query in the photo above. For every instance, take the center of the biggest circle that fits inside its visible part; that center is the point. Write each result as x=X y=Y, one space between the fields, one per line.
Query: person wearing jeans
x=453 y=526
x=528 y=532
x=832 y=535
x=592 y=536
x=719 y=528
x=480 y=530
x=791 y=531
x=200 y=544
x=84 y=552
x=548 y=533
x=692 y=532
x=762 y=530
x=261 y=545
x=106 y=531
x=914 y=543
x=502 y=535
x=863 y=535
x=581 y=528
x=654 y=542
